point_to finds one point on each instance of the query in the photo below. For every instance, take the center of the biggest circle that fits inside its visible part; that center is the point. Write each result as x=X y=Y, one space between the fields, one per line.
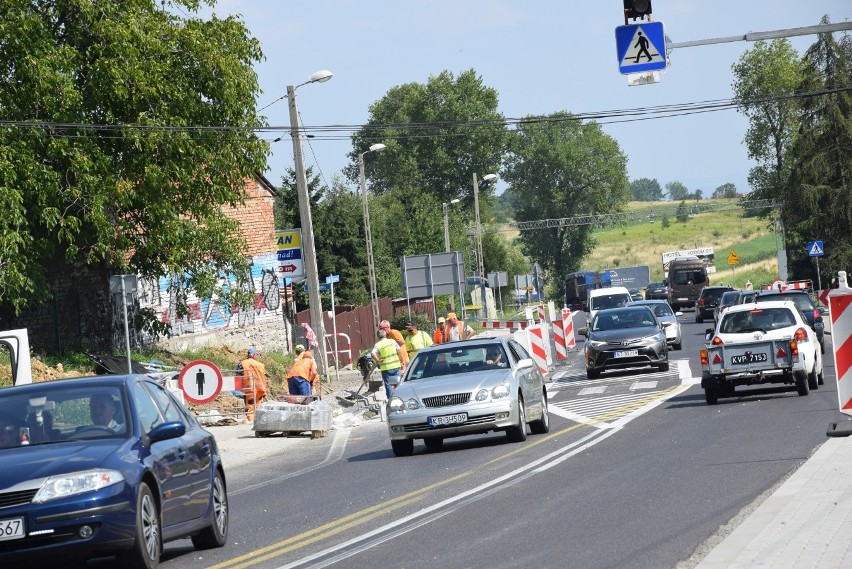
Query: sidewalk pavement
x=805 y=522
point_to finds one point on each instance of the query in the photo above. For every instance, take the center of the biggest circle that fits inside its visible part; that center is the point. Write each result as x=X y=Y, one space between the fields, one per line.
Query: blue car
x=105 y=466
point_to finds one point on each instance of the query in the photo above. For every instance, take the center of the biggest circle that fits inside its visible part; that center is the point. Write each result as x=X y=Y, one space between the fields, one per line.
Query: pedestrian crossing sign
x=641 y=47
x=815 y=249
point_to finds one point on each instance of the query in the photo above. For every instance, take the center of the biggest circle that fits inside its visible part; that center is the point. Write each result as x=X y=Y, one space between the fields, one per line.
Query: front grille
x=9 y=499
x=446 y=400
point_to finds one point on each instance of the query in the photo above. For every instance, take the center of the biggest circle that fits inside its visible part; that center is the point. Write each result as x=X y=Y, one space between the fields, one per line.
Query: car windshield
x=661 y=309
x=712 y=293
x=759 y=319
x=730 y=297
x=53 y=415
x=457 y=360
x=623 y=319
x=609 y=301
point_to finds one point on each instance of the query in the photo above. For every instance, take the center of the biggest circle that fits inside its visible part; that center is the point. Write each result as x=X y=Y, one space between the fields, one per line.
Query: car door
x=196 y=444
x=168 y=460
x=529 y=382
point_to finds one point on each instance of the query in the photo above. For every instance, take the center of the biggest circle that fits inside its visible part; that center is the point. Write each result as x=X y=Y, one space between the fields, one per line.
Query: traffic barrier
x=537 y=347
x=506 y=324
x=839 y=301
x=340 y=350
x=559 y=338
x=822 y=296
x=568 y=326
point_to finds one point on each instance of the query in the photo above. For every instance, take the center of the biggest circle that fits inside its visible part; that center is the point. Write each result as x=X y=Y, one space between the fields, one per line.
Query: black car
x=623 y=337
x=635 y=294
x=708 y=300
x=803 y=302
x=657 y=291
x=729 y=298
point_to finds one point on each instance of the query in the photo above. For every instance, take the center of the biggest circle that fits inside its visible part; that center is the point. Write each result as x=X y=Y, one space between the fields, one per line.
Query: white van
x=610 y=297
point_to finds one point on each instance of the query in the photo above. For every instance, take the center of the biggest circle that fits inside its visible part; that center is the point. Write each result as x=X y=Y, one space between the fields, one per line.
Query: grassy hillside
x=644 y=238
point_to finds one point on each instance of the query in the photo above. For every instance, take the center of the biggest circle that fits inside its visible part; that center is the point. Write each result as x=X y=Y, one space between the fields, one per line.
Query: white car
x=608 y=297
x=664 y=313
x=754 y=344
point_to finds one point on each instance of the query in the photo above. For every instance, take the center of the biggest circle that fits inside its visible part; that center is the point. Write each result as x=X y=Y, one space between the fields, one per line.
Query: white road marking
x=592 y=390
x=643 y=385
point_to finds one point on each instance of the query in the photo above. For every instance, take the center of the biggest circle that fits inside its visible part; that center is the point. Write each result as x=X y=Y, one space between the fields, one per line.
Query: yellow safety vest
x=417 y=342
x=388 y=354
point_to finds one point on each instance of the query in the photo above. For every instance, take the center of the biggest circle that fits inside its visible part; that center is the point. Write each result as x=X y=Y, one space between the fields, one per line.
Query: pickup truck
x=760 y=344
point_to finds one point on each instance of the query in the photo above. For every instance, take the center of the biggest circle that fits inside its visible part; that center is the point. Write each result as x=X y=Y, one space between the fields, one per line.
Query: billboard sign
x=630 y=277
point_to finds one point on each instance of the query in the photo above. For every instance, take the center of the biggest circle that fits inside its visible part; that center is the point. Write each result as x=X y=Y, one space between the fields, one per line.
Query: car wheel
x=813 y=381
x=518 y=433
x=820 y=378
x=404 y=447
x=664 y=367
x=699 y=319
x=710 y=395
x=541 y=426
x=216 y=535
x=802 y=383
x=147 y=543
x=822 y=347
x=593 y=373
x=434 y=443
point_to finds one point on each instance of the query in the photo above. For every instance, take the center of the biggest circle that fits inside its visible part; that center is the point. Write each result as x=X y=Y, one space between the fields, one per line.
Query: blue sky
x=541 y=56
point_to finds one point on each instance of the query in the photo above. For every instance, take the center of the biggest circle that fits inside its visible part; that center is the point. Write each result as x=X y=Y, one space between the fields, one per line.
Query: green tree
x=765 y=78
x=677 y=191
x=560 y=168
x=682 y=213
x=818 y=196
x=98 y=165
x=646 y=189
x=727 y=190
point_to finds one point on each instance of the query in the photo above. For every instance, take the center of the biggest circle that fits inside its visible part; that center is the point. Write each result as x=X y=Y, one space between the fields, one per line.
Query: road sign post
x=330 y=280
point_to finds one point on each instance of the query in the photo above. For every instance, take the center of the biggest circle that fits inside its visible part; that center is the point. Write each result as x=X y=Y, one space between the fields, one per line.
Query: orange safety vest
x=305 y=367
x=441 y=334
x=254 y=379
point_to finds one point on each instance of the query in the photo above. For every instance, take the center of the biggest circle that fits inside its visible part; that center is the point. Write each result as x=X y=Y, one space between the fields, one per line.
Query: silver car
x=664 y=313
x=465 y=388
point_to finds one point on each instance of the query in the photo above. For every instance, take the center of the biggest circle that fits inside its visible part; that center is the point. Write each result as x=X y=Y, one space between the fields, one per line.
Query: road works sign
x=641 y=47
x=288 y=248
x=839 y=301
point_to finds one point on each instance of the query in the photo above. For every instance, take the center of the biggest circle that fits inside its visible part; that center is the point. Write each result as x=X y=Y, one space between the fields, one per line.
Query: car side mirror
x=678 y=313
x=583 y=331
x=665 y=325
x=708 y=334
x=525 y=363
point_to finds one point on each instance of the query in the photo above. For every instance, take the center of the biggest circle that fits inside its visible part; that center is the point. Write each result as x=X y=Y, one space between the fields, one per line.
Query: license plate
x=13 y=528
x=627 y=354
x=447 y=420
x=748 y=359
x=683 y=298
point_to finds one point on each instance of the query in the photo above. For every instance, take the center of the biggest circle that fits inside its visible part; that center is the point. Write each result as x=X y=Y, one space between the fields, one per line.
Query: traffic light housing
x=634 y=9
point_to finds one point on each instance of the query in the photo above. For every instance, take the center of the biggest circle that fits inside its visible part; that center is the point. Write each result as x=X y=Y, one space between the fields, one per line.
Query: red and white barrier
x=839 y=303
x=823 y=296
x=506 y=324
x=568 y=326
x=563 y=335
x=538 y=351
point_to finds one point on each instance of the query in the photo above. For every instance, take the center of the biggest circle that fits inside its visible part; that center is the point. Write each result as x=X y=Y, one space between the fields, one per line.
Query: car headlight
x=482 y=395
x=396 y=405
x=596 y=343
x=76 y=483
x=412 y=404
x=500 y=390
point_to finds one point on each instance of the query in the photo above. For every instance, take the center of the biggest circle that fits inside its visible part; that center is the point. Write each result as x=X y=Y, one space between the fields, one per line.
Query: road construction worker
x=440 y=336
x=388 y=355
x=458 y=329
x=396 y=336
x=253 y=375
x=416 y=340
x=303 y=373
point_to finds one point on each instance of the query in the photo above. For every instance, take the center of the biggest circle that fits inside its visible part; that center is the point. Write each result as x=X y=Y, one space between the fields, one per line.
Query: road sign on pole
x=733 y=258
x=288 y=245
x=200 y=381
x=641 y=47
x=815 y=249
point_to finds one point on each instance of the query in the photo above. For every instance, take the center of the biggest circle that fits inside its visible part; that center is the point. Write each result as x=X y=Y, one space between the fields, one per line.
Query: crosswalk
x=613 y=400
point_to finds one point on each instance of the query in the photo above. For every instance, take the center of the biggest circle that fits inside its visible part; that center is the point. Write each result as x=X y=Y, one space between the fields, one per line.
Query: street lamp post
x=446 y=210
x=371 y=263
x=480 y=260
x=308 y=249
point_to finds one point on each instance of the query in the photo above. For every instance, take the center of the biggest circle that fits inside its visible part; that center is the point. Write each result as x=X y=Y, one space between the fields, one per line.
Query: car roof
x=768 y=304
x=651 y=301
x=608 y=290
x=472 y=342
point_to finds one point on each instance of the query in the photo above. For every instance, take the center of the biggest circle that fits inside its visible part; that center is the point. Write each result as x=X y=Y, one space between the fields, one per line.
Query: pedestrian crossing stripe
x=642 y=48
x=816 y=250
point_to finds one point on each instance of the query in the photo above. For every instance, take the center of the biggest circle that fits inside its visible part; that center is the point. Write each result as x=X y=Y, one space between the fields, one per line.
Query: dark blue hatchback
x=803 y=302
x=111 y=465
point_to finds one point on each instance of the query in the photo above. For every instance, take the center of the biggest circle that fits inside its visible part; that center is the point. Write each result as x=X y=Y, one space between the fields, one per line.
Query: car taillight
x=717 y=341
x=702 y=354
x=800 y=334
x=794 y=349
x=816 y=314
x=701 y=302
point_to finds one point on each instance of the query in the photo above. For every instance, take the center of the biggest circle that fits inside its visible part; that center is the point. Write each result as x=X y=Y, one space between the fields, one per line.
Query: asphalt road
x=637 y=471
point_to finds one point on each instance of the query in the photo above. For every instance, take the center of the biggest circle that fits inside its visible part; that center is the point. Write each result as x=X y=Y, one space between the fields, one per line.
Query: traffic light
x=634 y=9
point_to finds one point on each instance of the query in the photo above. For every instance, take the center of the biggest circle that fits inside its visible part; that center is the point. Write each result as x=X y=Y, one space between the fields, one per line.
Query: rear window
x=759 y=319
x=803 y=301
x=713 y=293
x=609 y=301
x=687 y=276
x=730 y=297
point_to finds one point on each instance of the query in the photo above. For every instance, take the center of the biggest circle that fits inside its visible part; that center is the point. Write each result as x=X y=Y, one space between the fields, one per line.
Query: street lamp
x=480 y=260
x=308 y=249
x=446 y=209
x=371 y=263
